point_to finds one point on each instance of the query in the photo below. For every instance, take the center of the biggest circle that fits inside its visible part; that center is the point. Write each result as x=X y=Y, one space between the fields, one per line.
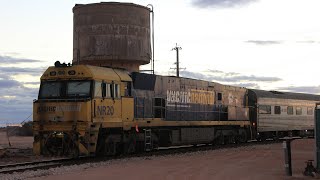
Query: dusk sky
x=261 y=44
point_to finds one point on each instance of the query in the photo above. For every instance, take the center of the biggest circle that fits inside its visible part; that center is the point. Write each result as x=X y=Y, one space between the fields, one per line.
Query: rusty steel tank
x=111 y=34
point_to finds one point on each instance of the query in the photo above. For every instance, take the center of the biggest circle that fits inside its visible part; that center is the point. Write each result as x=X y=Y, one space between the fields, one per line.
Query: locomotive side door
x=127 y=105
x=108 y=108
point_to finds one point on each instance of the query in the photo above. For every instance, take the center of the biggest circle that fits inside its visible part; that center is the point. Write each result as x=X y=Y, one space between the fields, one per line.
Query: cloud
x=308 y=42
x=263 y=43
x=302 y=89
x=223 y=73
x=228 y=77
x=17 y=70
x=17 y=88
x=220 y=3
x=247 y=85
x=8 y=83
x=21 y=71
x=13 y=60
x=33 y=83
x=189 y=74
x=16 y=101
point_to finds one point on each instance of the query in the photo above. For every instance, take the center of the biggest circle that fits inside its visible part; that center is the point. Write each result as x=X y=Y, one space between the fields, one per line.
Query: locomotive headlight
x=72 y=72
x=61 y=73
x=53 y=73
x=59 y=135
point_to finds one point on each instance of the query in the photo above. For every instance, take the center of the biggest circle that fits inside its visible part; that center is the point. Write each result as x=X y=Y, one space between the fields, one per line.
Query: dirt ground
x=19 y=151
x=254 y=162
x=16 y=141
x=263 y=162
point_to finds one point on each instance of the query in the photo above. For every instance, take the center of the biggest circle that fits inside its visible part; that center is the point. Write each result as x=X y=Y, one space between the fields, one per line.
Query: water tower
x=111 y=34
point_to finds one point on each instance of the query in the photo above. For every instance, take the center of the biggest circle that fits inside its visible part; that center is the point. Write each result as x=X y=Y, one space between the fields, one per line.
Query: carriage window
x=264 y=109
x=219 y=96
x=310 y=111
x=298 y=110
x=277 y=110
x=290 y=110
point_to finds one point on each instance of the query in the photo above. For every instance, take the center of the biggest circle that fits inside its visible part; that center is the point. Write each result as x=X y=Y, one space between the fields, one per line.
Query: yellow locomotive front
x=74 y=103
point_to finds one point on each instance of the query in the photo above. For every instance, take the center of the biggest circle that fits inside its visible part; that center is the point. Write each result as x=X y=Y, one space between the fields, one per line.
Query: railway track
x=47 y=164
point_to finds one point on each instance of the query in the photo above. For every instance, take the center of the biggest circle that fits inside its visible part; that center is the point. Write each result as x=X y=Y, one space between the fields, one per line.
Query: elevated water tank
x=111 y=34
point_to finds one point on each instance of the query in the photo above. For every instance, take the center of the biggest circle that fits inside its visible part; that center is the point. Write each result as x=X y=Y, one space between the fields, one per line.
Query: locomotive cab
x=74 y=104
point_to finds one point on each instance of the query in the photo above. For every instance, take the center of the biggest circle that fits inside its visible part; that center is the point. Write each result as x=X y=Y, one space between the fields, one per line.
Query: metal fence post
x=287 y=156
x=317 y=134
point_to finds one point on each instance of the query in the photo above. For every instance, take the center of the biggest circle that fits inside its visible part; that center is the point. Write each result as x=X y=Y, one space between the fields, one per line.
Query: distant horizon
x=10 y=125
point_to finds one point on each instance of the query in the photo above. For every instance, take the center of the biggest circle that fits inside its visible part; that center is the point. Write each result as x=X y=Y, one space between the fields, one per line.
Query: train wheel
x=110 y=147
x=243 y=137
x=130 y=145
x=218 y=138
x=231 y=139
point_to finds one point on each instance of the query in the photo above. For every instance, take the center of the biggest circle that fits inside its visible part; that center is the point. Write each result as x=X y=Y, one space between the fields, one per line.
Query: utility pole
x=177 y=48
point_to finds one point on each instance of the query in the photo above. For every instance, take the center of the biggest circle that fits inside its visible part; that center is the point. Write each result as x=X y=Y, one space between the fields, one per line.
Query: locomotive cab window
x=78 y=88
x=277 y=110
x=65 y=89
x=98 y=89
x=264 y=109
x=50 y=89
x=127 y=89
x=105 y=89
x=115 y=90
x=108 y=90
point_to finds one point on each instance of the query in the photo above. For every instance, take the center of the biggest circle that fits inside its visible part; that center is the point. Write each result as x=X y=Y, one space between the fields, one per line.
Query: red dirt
x=19 y=151
x=16 y=141
x=263 y=162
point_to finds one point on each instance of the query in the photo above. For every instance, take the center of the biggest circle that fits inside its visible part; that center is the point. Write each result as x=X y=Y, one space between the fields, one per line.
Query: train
x=85 y=110
x=102 y=105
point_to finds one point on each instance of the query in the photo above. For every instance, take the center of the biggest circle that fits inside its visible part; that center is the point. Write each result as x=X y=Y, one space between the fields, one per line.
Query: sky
x=261 y=44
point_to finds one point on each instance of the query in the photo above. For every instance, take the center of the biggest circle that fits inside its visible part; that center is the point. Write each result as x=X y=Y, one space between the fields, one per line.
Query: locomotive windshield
x=64 y=89
x=78 y=88
x=50 y=89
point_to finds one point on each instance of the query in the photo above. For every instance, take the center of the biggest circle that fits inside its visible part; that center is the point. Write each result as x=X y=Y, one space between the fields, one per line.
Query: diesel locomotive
x=87 y=110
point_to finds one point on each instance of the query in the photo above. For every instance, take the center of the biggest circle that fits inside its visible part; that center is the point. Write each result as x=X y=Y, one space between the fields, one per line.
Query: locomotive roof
x=285 y=95
x=85 y=71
